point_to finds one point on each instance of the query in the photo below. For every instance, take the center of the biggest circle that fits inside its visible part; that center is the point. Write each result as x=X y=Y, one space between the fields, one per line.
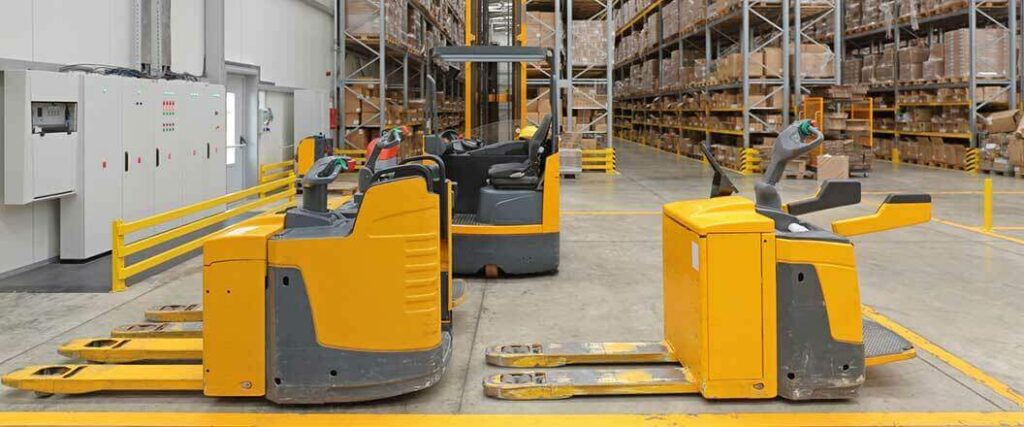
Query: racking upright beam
x=1008 y=84
x=378 y=49
x=579 y=77
x=535 y=75
x=819 y=11
x=361 y=76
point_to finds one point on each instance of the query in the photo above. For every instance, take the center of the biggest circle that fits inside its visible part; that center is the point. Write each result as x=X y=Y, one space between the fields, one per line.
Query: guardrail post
x=116 y=261
x=986 y=205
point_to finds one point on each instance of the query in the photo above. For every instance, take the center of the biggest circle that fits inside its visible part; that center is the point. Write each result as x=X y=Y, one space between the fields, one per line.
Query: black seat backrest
x=537 y=141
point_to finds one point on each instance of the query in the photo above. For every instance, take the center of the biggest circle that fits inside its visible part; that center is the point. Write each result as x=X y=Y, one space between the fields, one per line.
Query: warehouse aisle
x=953 y=286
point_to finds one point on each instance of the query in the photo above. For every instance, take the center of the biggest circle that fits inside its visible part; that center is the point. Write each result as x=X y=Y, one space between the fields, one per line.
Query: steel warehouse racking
x=382 y=65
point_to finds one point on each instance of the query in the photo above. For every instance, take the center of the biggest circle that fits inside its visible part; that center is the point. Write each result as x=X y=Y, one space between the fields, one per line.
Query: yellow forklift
x=312 y=306
x=757 y=302
x=506 y=211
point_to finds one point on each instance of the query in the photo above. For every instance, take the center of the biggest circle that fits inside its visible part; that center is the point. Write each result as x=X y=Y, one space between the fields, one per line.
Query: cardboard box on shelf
x=590 y=46
x=816 y=60
x=359 y=138
x=1001 y=121
x=990 y=50
x=1015 y=151
x=540 y=29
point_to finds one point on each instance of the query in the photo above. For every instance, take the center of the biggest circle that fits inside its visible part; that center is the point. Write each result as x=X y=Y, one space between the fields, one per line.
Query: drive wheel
x=491 y=271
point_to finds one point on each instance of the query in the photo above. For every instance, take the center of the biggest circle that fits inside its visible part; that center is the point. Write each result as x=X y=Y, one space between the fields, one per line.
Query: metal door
x=236 y=142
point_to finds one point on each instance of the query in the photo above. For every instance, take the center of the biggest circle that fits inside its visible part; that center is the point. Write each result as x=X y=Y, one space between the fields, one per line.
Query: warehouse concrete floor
x=956 y=287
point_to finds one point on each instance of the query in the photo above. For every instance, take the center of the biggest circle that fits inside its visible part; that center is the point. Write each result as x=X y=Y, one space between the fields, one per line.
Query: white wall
x=65 y=31
x=187 y=36
x=288 y=39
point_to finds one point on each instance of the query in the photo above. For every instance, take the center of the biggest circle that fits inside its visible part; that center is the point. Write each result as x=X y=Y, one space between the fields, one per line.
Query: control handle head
x=326 y=170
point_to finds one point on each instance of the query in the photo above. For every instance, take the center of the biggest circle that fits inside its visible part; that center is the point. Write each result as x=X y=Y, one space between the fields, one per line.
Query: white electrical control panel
x=148 y=146
x=41 y=118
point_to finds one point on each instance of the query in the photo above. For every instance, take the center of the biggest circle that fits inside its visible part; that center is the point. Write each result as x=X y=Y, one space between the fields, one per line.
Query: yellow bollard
x=895 y=157
x=986 y=205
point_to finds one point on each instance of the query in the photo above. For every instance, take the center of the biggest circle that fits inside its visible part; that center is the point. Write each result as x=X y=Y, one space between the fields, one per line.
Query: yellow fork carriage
x=757 y=302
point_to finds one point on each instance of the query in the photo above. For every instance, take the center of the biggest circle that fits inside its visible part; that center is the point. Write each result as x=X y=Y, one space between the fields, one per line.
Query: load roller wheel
x=491 y=271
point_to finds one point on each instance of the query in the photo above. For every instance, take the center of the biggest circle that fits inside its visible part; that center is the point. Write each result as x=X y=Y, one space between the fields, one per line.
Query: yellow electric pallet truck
x=507 y=192
x=757 y=302
x=312 y=306
x=185 y=320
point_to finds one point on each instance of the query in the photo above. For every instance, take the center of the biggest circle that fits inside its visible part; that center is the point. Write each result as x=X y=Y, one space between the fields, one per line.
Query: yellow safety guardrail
x=600 y=159
x=275 y=171
x=358 y=156
x=284 y=190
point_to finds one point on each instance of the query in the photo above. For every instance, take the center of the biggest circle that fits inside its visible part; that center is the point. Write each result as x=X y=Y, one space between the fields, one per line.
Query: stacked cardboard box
x=628 y=10
x=589 y=96
x=540 y=29
x=934 y=67
x=851 y=70
x=999 y=122
x=670 y=19
x=860 y=156
x=1003 y=152
x=362 y=19
x=816 y=61
x=912 y=60
x=691 y=14
x=932 y=150
x=590 y=45
x=670 y=69
x=990 y=50
x=627 y=46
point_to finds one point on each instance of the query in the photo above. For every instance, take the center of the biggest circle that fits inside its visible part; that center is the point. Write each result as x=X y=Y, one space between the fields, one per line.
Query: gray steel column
x=405 y=81
x=1011 y=61
x=785 y=64
x=382 y=68
x=745 y=39
x=707 y=71
x=837 y=40
x=341 y=78
x=213 y=42
x=570 y=53
x=972 y=83
x=798 y=77
x=557 y=65
x=609 y=64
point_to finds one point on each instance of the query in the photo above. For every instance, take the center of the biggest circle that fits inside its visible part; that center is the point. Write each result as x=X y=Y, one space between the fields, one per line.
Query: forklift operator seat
x=527 y=173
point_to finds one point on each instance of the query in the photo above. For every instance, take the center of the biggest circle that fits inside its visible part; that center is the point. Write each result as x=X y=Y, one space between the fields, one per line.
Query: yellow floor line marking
x=1009 y=227
x=824 y=419
x=979 y=231
x=942 y=192
x=950 y=359
x=611 y=212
